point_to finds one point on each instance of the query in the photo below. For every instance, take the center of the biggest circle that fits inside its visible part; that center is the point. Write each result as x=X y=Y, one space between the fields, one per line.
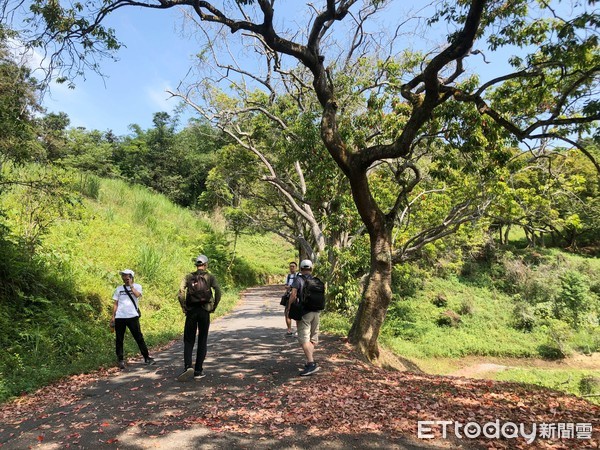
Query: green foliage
x=574 y=301
x=346 y=278
x=44 y=195
x=18 y=106
x=554 y=197
x=55 y=306
x=495 y=310
x=589 y=385
x=408 y=279
x=149 y=262
x=89 y=185
x=558 y=334
x=574 y=381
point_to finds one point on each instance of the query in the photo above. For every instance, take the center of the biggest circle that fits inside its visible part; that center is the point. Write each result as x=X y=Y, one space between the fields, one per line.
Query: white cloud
x=160 y=98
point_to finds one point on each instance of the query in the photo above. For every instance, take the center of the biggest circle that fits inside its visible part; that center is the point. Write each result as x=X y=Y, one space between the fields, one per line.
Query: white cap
x=127 y=272
x=306 y=264
x=201 y=259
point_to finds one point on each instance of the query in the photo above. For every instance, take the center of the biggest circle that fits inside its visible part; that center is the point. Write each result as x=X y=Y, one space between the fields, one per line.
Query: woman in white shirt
x=126 y=314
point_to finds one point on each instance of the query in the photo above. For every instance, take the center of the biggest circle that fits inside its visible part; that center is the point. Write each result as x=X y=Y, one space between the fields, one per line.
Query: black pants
x=133 y=324
x=197 y=319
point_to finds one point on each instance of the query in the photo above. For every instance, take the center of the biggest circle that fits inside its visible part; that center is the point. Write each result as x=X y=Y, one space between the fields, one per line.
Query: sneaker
x=149 y=361
x=121 y=365
x=199 y=375
x=186 y=375
x=309 y=369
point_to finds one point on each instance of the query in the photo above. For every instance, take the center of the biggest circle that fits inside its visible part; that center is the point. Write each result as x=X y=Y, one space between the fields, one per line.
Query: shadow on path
x=145 y=407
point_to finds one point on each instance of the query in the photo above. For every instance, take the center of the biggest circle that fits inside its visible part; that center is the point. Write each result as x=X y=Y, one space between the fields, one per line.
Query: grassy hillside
x=55 y=321
x=511 y=309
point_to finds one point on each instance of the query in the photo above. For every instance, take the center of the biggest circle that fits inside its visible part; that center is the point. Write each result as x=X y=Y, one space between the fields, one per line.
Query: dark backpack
x=198 y=290
x=313 y=294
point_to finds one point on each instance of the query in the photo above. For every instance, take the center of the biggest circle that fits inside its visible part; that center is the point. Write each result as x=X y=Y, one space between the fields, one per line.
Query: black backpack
x=198 y=290
x=313 y=294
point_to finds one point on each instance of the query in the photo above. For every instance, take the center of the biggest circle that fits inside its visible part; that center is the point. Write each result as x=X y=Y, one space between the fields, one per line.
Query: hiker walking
x=197 y=302
x=289 y=280
x=308 y=294
x=126 y=314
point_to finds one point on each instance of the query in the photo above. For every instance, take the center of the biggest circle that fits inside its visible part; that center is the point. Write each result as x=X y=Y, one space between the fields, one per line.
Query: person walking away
x=308 y=325
x=199 y=295
x=126 y=314
x=289 y=280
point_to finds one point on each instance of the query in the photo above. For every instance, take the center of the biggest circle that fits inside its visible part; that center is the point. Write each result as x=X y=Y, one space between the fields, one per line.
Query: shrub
x=544 y=310
x=448 y=318
x=523 y=317
x=150 y=261
x=407 y=279
x=467 y=307
x=440 y=301
x=89 y=185
x=143 y=210
x=574 y=300
x=589 y=385
x=400 y=310
x=558 y=334
x=516 y=275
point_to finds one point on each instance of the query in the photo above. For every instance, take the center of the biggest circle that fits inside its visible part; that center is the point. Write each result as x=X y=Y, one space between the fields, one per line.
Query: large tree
x=548 y=92
x=18 y=107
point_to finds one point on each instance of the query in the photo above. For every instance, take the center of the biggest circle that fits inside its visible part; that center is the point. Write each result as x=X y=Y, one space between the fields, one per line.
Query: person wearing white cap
x=308 y=325
x=126 y=314
x=197 y=302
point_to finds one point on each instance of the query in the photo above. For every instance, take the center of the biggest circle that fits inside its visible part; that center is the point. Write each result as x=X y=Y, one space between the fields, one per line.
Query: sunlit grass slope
x=61 y=327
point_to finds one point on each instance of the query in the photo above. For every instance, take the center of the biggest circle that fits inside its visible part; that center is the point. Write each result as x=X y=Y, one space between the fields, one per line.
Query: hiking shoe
x=186 y=375
x=199 y=375
x=121 y=365
x=309 y=369
x=149 y=361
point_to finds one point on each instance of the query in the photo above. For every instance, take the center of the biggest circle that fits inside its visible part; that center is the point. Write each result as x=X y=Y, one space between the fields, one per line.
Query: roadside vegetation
x=520 y=305
x=55 y=305
x=488 y=250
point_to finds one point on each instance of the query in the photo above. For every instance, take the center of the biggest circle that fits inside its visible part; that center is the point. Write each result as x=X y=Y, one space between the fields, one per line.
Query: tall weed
x=149 y=262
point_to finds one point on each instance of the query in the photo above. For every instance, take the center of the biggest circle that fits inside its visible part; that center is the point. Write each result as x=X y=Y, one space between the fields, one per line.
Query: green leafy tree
x=552 y=196
x=18 y=106
x=574 y=301
x=89 y=151
x=547 y=94
x=53 y=135
x=277 y=172
x=175 y=164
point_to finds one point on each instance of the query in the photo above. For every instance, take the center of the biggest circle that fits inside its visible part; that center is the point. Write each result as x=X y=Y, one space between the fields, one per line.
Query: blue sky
x=155 y=58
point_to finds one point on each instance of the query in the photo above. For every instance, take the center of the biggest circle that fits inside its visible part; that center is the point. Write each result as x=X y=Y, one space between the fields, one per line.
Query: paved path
x=145 y=407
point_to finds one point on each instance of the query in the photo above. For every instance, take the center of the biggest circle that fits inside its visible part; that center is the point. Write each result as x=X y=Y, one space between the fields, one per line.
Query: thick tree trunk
x=376 y=298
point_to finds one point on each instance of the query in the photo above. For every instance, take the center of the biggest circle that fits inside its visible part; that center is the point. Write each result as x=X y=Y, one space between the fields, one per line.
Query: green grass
x=571 y=381
x=486 y=332
x=56 y=318
x=484 y=329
